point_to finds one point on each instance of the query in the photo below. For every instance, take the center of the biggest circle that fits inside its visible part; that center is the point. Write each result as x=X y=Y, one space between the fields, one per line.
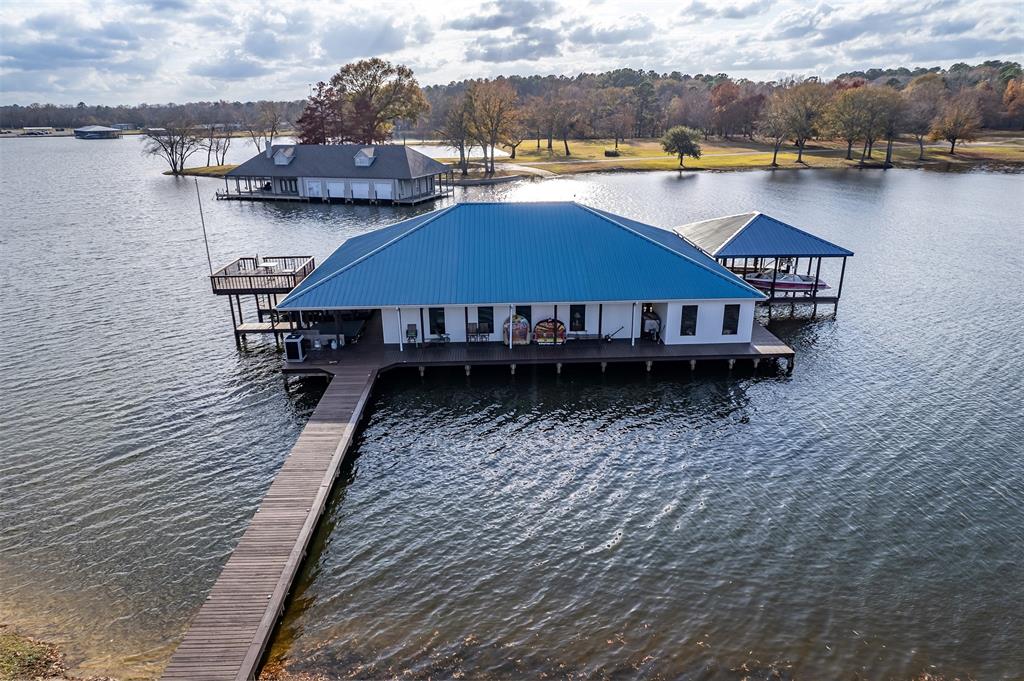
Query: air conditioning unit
x=293 y=350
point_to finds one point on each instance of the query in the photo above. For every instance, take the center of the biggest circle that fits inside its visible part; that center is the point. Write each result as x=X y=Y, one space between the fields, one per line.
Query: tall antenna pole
x=202 y=220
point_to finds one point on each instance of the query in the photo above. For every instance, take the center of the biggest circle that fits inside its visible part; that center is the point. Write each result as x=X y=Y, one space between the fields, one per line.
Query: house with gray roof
x=339 y=172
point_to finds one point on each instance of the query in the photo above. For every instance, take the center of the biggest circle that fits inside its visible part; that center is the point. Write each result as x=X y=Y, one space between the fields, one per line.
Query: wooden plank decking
x=763 y=345
x=227 y=638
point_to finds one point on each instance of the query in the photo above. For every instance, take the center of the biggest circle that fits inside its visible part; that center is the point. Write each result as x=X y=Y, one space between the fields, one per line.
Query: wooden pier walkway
x=227 y=638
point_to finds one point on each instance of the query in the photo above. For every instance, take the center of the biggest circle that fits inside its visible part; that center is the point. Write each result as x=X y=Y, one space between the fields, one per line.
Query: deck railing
x=278 y=274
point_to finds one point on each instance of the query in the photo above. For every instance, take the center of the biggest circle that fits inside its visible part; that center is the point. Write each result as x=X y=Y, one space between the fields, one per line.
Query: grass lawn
x=207 y=171
x=1000 y=148
x=25 y=658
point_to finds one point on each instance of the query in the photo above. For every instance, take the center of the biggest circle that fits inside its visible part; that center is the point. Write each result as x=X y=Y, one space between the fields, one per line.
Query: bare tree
x=564 y=116
x=455 y=129
x=216 y=143
x=492 y=106
x=923 y=101
x=774 y=125
x=516 y=133
x=893 y=112
x=959 y=121
x=265 y=125
x=174 y=143
x=617 y=109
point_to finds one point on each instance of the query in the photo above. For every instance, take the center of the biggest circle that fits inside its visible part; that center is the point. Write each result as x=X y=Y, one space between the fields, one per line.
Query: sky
x=136 y=51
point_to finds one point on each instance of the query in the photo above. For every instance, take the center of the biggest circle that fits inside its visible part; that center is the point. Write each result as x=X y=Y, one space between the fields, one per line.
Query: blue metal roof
x=483 y=253
x=756 y=235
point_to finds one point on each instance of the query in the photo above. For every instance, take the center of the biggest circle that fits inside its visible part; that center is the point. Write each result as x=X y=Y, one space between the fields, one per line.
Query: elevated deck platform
x=257 y=195
x=764 y=345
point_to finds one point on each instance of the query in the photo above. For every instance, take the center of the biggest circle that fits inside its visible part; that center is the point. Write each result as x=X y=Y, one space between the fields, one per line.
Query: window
x=289 y=186
x=731 y=320
x=436 y=316
x=524 y=312
x=577 y=317
x=688 y=324
x=485 y=319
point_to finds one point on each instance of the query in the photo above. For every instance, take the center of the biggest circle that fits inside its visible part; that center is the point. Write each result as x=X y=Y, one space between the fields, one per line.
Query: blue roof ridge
x=731 y=279
x=332 y=275
x=753 y=216
x=800 y=231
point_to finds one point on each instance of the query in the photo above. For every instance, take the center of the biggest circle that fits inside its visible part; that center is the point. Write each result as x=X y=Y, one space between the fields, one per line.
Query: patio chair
x=411 y=334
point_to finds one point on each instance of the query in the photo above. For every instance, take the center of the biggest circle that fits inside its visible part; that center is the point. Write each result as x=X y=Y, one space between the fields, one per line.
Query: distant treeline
x=622 y=103
x=232 y=114
x=717 y=104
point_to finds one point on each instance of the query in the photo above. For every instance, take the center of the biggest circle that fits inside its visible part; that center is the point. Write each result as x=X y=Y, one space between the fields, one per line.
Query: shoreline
x=940 y=166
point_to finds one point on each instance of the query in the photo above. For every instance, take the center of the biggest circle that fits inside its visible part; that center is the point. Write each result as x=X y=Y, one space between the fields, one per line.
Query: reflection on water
x=861 y=516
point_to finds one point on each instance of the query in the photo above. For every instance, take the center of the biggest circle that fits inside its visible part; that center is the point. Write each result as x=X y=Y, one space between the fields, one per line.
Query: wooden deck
x=265 y=327
x=229 y=635
x=763 y=345
x=227 y=638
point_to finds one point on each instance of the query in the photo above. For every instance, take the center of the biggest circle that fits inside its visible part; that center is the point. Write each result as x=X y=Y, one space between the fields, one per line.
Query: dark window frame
x=685 y=328
x=482 y=326
x=731 y=313
x=437 y=327
x=573 y=325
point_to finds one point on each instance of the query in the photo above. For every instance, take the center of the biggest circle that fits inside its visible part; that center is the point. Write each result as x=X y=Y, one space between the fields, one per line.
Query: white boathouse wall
x=601 y=319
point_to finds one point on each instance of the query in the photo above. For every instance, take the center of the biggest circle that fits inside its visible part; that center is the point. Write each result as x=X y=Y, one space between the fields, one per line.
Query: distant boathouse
x=383 y=173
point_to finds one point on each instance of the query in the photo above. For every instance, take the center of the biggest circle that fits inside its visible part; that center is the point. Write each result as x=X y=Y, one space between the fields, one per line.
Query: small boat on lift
x=791 y=281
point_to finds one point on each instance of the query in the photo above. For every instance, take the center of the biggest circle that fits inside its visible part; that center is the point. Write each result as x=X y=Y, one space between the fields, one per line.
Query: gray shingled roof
x=338 y=160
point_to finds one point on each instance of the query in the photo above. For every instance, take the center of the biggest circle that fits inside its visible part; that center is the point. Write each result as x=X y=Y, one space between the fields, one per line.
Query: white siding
x=616 y=315
x=710 y=314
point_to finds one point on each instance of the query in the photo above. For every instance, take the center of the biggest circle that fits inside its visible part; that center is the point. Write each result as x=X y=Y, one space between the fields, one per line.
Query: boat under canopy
x=766 y=280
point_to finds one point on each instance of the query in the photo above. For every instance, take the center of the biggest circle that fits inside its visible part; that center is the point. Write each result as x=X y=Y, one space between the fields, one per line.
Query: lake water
x=861 y=517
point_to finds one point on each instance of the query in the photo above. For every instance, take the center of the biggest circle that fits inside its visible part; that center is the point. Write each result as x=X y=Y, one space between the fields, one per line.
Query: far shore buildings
x=97 y=132
x=383 y=173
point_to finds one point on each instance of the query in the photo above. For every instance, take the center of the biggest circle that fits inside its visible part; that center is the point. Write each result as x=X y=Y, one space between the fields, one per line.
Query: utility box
x=293 y=349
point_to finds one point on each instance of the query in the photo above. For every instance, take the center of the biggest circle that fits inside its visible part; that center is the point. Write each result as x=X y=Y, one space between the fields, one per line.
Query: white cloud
x=176 y=50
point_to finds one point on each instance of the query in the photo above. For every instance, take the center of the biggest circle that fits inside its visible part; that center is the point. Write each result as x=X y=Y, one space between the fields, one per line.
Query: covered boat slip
x=777 y=258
